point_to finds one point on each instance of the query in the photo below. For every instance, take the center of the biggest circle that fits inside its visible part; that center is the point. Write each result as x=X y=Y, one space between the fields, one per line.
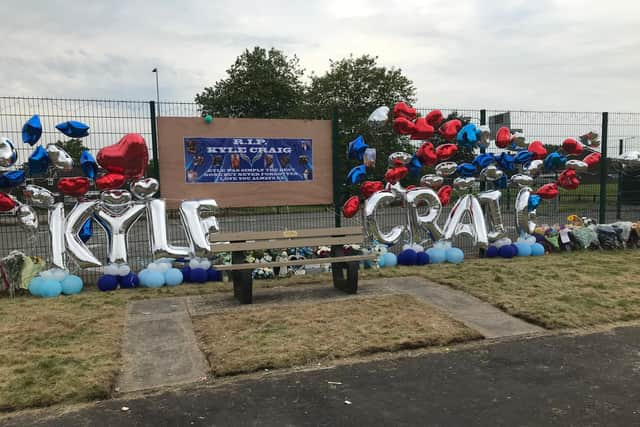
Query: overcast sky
x=529 y=54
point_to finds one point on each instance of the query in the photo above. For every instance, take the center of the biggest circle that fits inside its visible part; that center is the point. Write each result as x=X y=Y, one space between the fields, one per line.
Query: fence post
x=337 y=170
x=619 y=192
x=154 y=139
x=604 y=170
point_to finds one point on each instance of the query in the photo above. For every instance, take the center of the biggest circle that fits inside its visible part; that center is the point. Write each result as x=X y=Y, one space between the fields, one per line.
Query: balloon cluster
x=52 y=283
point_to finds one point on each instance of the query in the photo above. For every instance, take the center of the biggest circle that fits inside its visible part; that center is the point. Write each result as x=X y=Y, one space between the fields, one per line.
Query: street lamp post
x=155 y=70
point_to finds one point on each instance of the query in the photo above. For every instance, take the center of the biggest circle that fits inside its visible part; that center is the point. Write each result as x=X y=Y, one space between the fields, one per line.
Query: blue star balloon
x=466 y=170
x=415 y=166
x=86 y=231
x=32 y=130
x=524 y=157
x=73 y=129
x=11 y=179
x=506 y=161
x=88 y=164
x=534 y=201
x=484 y=160
x=357 y=174
x=38 y=161
x=356 y=148
x=467 y=136
x=554 y=161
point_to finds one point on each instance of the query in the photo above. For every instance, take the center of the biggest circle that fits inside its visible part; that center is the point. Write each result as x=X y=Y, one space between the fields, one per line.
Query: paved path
x=476 y=314
x=159 y=346
x=560 y=380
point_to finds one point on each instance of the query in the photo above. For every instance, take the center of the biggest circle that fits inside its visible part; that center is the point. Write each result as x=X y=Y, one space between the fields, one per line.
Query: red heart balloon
x=110 y=181
x=444 y=194
x=449 y=130
x=571 y=146
x=422 y=129
x=446 y=151
x=592 y=159
x=503 y=137
x=396 y=174
x=75 y=187
x=427 y=154
x=548 y=191
x=351 y=206
x=128 y=157
x=403 y=126
x=538 y=150
x=435 y=117
x=6 y=203
x=369 y=187
x=403 y=110
x=568 y=179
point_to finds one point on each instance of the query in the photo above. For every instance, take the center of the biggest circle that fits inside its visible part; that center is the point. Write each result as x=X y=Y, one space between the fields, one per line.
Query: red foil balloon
x=538 y=150
x=592 y=159
x=369 y=187
x=75 y=187
x=351 y=206
x=503 y=137
x=444 y=194
x=128 y=157
x=422 y=129
x=446 y=151
x=403 y=110
x=449 y=130
x=6 y=203
x=568 y=179
x=548 y=191
x=396 y=174
x=571 y=146
x=435 y=118
x=403 y=126
x=110 y=181
x=427 y=154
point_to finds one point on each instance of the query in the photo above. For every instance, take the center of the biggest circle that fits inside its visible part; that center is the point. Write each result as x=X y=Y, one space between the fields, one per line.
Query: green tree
x=74 y=148
x=261 y=83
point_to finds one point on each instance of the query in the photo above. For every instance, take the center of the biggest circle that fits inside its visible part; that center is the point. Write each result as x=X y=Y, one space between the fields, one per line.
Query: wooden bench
x=344 y=268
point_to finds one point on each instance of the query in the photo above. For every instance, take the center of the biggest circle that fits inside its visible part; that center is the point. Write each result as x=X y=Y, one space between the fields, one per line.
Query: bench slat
x=252 y=266
x=287 y=243
x=284 y=234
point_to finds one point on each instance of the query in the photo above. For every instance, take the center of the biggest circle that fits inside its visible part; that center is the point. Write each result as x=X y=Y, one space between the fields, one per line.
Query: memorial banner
x=228 y=160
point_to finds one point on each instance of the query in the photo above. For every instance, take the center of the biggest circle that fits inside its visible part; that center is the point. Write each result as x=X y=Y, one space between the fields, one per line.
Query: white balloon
x=123 y=270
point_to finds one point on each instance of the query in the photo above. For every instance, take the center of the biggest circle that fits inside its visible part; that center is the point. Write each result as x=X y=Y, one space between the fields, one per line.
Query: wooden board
x=284 y=234
x=287 y=243
x=252 y=266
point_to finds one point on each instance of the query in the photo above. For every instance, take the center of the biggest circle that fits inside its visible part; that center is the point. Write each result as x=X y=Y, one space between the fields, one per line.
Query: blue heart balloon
x=11 y=179
x=32 y=130
x=467 y=136
x=73 y=129
x=38 y=161
x=88 y=164
x=357 y=174
x=356 y=148
x=86 y=231
x=554 y=161
x=506 y=161
x=524 y=157
x=484 y=160
x=534 y=201
x=466 y=170
x=415 y=166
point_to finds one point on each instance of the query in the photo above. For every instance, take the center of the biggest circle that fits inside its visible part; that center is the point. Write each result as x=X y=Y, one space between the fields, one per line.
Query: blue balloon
x=198 y=275
x=537 y=249
x=484 y=160
x=407 y=257
x=357 y=174
x=467 y=136
x=422 y=258
x=214 y=275
x=12 y=179
x=173 y=277
x=71 y=285
x=35 y=286
x=436 y=255
x=501 y=182
x=534 y=202
x=415 y=166
x=38 y=161
x=186 y=273
x=506 y=161
x=524 y=157
x=86 y=231
x=524 y=249
x=554 y=161
x=152 y=279
x=73 y=129
x=88 y=164
x=356 y=148
x=491 y=252
x=108 y=282
x=51 y=288
x=129 y=281
x=466 y=170
x=381 y=261
x=507 y=251
x=32 y=130
x=390 y=259
x=454 y=255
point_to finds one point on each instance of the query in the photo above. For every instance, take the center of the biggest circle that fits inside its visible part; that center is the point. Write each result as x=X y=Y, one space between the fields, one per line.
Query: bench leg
x=242 y=280
x=345 y=274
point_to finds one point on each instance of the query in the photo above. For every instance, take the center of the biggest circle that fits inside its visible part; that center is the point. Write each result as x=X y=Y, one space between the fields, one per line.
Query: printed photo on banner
x=247 y=159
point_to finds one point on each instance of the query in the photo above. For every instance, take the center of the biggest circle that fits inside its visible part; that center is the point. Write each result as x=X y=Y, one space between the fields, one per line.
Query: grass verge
x=289 y=335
